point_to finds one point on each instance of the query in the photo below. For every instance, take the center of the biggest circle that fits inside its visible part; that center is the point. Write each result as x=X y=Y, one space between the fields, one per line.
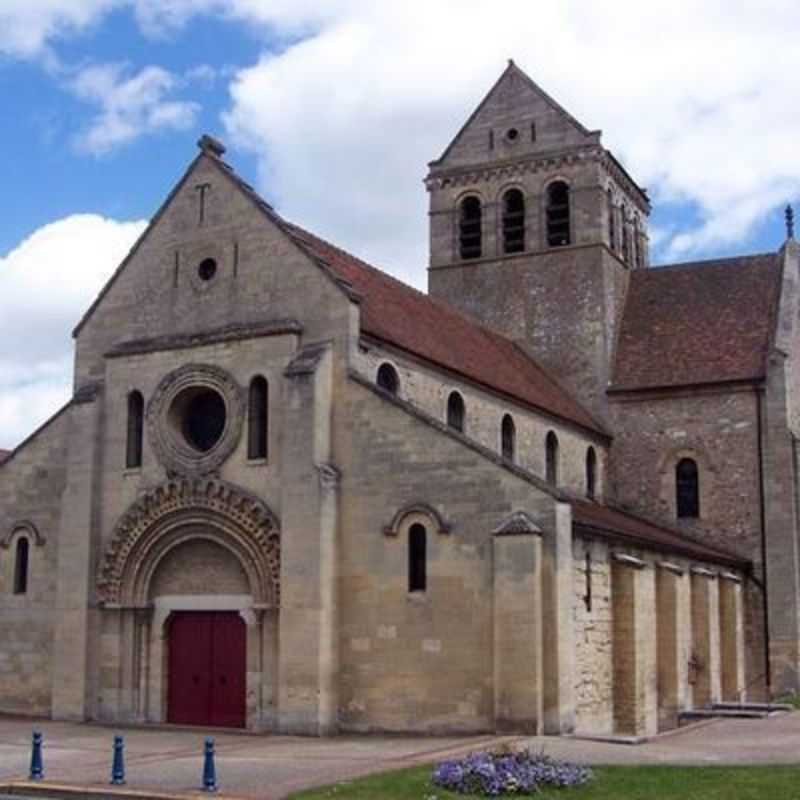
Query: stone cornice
x=186 y=341
x=503 y=170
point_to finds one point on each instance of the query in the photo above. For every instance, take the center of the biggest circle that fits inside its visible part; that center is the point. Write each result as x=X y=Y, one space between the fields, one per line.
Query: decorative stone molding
x=329 y=477
x=417 y=509
x=730 y=576
x=177 y=455
x=675 y=569
x=629 y=561
x=518 y=524
x=704 y=572
x=180 y=511
x=25 y=528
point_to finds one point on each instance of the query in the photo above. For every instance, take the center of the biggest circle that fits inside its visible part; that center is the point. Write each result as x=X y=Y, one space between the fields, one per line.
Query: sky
x=333 y=108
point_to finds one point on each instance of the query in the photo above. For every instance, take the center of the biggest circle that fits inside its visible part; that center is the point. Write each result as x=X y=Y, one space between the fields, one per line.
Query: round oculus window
x=207 y=269
x=512 y=134
x=198 y=414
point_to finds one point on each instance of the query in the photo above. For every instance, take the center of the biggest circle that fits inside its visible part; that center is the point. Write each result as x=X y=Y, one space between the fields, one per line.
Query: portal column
x=731 y=630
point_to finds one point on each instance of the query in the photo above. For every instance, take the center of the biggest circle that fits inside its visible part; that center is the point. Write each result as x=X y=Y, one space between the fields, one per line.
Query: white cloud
x=27 y=26
x=697 y=100
x=46 y=283
x=129 y=106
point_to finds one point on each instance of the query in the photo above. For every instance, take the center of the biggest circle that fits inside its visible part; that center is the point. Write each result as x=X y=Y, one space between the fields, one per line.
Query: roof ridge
x=704 y=262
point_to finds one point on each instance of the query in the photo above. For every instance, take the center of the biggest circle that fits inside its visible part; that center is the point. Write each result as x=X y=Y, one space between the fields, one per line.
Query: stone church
x=290 y=493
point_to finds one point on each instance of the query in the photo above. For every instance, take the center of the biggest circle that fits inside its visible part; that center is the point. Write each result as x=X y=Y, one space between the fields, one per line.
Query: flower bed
x=499 y=773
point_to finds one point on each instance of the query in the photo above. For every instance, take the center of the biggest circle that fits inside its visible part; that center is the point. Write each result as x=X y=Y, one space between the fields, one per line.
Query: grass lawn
x=610 y=783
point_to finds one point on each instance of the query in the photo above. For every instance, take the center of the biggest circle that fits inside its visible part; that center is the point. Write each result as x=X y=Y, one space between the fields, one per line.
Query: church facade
x=557 y=493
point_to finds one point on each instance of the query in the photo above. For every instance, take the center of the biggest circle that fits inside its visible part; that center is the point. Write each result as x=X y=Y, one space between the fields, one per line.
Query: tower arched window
x=637 y=243
x=258 y=418
x=558 y=216
x=551 y=459
x=513 y=221
x=387 y=378
x=612 y=222
x=417 y=558
x=455 y=412
x=626 y=247
x=687 y=489
x=470 y=228
x=133 y=449
x=508 y=437
x=21 y=566
x=591 y=473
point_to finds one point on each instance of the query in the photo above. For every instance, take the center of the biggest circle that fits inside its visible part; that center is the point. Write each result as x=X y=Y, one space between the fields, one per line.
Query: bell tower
x=534 y=229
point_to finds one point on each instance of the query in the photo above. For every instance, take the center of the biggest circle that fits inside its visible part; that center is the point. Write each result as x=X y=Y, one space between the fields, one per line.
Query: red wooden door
x=207 y=671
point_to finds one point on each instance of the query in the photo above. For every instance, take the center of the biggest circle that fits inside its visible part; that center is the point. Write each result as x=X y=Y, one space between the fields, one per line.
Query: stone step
x=767 y=707
x=721 y=713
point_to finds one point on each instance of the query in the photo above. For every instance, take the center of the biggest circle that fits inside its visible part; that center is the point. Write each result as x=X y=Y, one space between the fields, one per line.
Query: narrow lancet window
x=551 y=459
x=612 y=222
x=455 y=412
x=258 y=418
x=417 y=558
x=687 y=488
x=508 y=436
x=133 y=450
x=470 y=228
x=387 y=378
x=558 y=216
x=513 y=221
x=21 y=566
x=626 y=249
x=591 y=473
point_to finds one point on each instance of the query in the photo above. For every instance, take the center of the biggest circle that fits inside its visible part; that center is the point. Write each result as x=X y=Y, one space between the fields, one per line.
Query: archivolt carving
x=182 y=510
x=26 y=528
x=434 y=518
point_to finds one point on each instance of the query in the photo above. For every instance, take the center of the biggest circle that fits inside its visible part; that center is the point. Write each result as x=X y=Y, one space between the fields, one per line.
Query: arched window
x=551 y=459
x=470 y=234
x=133 y=450
x=417 y=558
x=513 y=221
x=258 y=418
x=455 y=412
x=21 y=566
x=591 y=473
x=626 y=249
x=557 y=212
x=612 y=223
x=508 y=437
x=387 y=378
x=687 y=488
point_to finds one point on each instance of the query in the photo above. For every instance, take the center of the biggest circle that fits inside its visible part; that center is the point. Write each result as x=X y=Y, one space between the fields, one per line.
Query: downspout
x=759 y=391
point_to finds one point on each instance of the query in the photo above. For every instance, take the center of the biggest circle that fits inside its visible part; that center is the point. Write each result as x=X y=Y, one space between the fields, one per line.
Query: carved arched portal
x=141 y=588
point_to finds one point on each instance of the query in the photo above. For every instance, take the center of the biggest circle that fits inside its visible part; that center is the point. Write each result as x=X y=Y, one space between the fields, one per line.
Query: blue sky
x=334 y=109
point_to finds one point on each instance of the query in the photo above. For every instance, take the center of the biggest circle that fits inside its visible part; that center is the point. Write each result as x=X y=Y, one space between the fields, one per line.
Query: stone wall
x=31 y=486
x=594 y=676
x=429 y=389
x=418 y=661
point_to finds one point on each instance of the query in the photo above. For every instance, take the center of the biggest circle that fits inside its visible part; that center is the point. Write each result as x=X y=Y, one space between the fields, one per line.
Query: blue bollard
x=118 y=764
x=37 y=767
x=209 y=770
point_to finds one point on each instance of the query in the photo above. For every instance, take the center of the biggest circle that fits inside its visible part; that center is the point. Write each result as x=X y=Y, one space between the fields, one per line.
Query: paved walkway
x=271 y=767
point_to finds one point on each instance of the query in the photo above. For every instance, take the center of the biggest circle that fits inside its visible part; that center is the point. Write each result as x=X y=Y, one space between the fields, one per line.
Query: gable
x=689 y=324
x=258 y=274
x=516 y=118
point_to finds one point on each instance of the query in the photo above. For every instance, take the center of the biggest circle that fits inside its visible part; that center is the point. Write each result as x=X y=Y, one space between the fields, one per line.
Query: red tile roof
x=406 y=318
x=704 y=322
x=594 y=518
